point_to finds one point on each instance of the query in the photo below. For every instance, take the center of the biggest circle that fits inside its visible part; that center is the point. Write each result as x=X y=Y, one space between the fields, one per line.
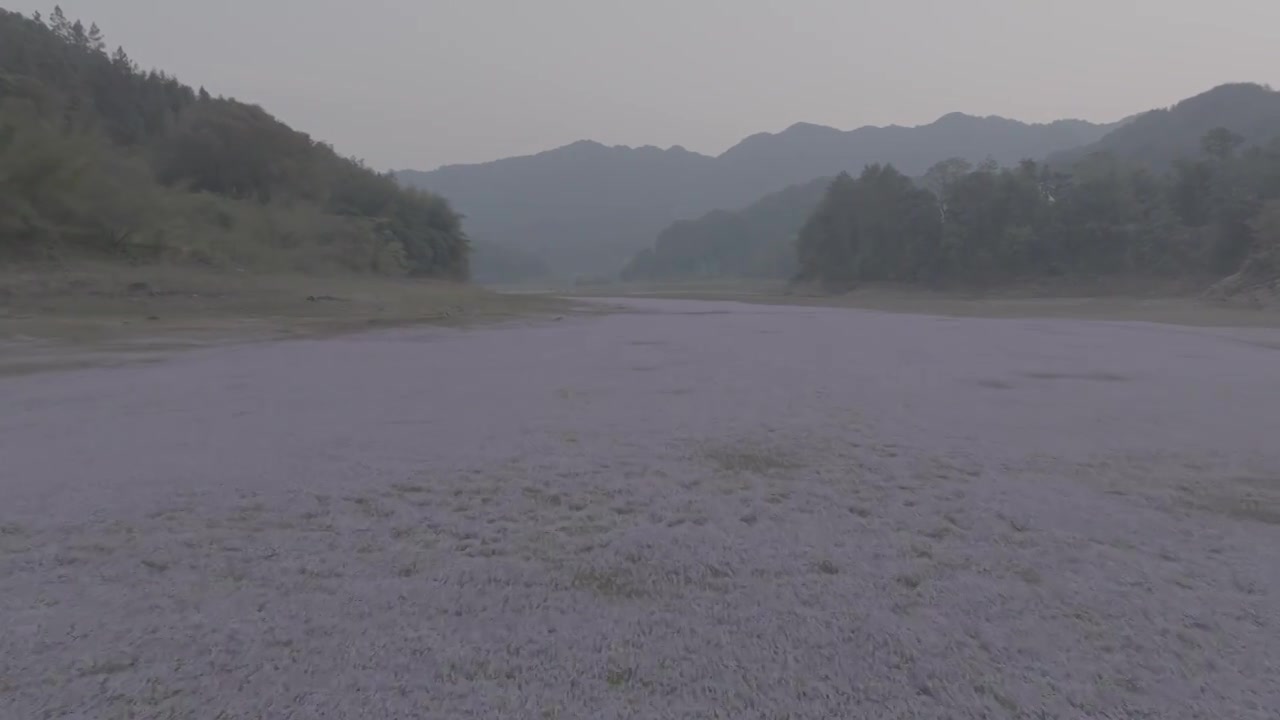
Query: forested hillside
x=100 y=157
x=1157 y=138
x=586 y=209
x=1213 y=214
x=1164 y=175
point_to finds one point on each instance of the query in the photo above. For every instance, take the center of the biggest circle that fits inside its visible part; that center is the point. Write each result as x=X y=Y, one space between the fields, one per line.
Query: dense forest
x=99 y=157
x=1212 y=215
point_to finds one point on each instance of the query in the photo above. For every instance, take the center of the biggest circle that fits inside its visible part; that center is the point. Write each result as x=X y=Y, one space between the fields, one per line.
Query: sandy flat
x=688 y=510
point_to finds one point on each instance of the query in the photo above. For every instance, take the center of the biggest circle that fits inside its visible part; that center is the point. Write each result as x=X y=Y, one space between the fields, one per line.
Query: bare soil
x=690 y=509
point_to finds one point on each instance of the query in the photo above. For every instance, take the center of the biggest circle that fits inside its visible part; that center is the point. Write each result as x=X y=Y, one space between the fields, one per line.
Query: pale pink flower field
x=682 y=510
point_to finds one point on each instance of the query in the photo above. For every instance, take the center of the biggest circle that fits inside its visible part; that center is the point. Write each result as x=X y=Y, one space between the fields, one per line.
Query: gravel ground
x=687 y=510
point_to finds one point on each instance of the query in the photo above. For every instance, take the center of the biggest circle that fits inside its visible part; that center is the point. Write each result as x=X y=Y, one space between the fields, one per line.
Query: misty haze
x=666 y=360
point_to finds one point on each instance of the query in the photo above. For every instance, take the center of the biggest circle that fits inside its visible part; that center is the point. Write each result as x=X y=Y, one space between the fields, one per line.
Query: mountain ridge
x=1158 y=136
x=728 y=244
x=796 y=126
x=586 y=207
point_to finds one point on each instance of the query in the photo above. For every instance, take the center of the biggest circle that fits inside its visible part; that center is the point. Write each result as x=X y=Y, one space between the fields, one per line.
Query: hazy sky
x=419 y=83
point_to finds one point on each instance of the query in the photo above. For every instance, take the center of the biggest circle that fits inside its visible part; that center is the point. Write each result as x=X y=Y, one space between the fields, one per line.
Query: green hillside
x=1213 y=214
x=1157 y=138
x=101 y=158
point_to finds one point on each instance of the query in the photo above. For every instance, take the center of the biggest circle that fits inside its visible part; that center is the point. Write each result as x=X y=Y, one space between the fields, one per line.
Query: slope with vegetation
x=1157 y=138
x=100 y=158
x=1175 y=192
x=586 y=208
x=1211 y=215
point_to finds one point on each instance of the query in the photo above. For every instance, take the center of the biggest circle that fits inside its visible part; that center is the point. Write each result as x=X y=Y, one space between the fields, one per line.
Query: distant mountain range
x=1158 y=137
x=586 y=208
x=755 y=240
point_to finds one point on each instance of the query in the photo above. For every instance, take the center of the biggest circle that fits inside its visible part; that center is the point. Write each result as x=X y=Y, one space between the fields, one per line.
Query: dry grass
x=115 y=313
x=737 y=459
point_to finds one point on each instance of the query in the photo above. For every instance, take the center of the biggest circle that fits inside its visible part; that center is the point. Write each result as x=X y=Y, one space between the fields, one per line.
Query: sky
x=422 y=83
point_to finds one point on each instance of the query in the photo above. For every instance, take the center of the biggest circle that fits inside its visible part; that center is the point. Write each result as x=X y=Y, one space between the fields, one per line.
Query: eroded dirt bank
x=693 y=509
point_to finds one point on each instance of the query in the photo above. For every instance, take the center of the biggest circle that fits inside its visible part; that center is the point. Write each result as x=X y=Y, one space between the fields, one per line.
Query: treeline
x=1211 y=215
x=99 y=156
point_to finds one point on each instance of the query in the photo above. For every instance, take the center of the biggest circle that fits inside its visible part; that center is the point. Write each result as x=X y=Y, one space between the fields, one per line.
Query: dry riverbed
x=688 y=509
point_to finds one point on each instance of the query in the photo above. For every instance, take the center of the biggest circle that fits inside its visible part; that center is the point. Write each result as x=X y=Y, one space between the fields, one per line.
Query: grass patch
x=612 y=584
x=740 y=459
x=618 y=676
x=826 y=567
x=909 y=581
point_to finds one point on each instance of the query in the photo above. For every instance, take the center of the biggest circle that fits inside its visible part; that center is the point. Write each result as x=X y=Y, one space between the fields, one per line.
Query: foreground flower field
x=681 y=509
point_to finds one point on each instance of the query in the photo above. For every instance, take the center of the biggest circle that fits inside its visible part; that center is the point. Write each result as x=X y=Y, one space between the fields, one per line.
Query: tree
x=60 y=25
x=79 y=36
x=96 y=42
x=823 y=244
x=121 y=60
x=1261 y=269
x=939 y=179
x=1220 y=143
x=1191 y=191
x=877 y=227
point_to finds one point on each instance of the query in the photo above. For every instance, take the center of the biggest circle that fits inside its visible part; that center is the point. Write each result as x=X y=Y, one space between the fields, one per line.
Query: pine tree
x=122 y=61
x=79 y=35
x=59 y=24
x=96 y=41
